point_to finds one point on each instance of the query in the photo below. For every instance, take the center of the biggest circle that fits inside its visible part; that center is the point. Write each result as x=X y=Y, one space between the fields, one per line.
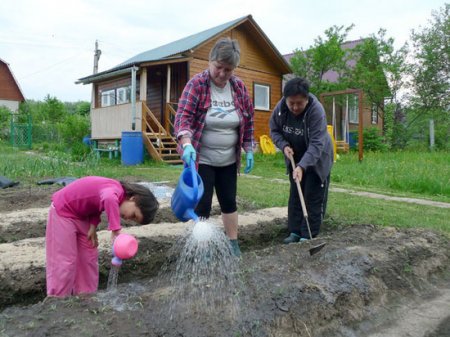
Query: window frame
x=266 y=98
x=108 y=98
x=353 y=109
x=374 y=117
x=126 y=92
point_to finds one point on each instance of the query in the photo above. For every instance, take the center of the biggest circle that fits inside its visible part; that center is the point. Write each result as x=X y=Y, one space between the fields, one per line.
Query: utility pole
x=97 y=53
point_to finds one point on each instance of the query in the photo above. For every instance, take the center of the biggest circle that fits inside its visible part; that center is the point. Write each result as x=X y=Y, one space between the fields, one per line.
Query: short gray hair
x=227 y=51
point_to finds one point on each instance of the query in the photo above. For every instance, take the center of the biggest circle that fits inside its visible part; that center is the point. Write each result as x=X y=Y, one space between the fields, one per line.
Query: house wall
x=11 y=105
x=9 y=90
x=109 y=122
x=109 y=85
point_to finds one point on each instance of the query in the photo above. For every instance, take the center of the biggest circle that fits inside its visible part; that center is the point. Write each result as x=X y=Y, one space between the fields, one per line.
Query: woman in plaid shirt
x=214 y=121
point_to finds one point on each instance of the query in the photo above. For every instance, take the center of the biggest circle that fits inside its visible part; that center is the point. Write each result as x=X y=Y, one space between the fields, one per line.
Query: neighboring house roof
x=331 y=75
x=184 y=47
x=9 y=87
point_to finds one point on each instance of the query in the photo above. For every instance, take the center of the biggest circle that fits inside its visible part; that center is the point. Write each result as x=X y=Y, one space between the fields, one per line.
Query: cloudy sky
x=49 y=44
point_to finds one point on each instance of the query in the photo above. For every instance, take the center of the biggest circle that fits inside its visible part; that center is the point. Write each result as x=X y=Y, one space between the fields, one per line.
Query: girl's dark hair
x=144 y=199
x=296 y=86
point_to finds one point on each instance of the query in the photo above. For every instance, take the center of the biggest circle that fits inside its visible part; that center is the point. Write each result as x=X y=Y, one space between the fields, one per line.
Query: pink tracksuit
x=71 y=260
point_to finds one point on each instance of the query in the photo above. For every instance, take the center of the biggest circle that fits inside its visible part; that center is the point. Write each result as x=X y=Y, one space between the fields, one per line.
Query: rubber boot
x=235 y=248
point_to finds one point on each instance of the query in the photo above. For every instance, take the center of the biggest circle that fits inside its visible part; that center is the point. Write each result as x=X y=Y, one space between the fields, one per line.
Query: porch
x=157 y=139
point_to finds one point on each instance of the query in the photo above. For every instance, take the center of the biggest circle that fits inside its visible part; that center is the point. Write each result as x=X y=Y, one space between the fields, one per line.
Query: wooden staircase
x=342 y=146
x=160 y=144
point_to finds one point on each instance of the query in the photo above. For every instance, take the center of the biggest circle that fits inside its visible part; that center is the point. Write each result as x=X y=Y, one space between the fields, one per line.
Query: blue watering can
x=187 y=194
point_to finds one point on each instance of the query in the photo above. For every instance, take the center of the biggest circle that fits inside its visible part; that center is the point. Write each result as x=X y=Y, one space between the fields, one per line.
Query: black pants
x=224 y=181
x=315 y=193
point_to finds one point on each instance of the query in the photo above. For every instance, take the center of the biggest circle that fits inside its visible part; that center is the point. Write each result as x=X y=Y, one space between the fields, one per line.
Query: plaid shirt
x=194 y=104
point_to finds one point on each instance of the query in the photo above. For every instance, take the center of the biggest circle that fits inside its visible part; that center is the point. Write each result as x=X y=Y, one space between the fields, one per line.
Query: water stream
x=113 y=277
x=205 y=276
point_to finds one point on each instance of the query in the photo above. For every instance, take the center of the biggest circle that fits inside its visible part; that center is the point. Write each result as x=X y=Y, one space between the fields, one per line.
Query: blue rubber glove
x=249 y=162
x=188 y=153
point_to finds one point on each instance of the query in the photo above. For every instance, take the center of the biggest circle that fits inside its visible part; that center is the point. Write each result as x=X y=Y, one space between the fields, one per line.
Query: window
x=108 y=98
x=123 y=95
x=261 y=93
x=353 y=109
x=374 y=117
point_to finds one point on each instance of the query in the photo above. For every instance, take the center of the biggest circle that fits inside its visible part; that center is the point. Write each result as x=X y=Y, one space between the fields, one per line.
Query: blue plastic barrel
x=353 y=139
x=87 y=140
x=132 y=148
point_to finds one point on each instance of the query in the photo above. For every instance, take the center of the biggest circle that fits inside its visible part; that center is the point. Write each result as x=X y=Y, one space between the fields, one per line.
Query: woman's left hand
x=297 y=174
x=114 y=234
x=92 y=235
x=249 y=162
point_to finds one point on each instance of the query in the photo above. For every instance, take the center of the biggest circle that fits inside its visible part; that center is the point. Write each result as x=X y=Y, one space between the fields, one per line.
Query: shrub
x=372 y=140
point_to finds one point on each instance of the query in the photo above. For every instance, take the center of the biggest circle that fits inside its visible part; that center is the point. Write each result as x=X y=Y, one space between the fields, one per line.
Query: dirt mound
x=367 y=281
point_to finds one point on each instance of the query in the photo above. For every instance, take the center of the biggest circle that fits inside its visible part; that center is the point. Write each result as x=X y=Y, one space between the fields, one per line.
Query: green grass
x=426 y=173
x=408 y=174
x=30 y=167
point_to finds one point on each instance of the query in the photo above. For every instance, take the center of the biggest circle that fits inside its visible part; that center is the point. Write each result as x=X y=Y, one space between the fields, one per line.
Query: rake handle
x=300 y=193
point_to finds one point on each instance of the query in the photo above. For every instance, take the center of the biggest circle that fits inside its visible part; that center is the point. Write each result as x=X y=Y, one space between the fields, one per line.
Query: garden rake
x=314 y=249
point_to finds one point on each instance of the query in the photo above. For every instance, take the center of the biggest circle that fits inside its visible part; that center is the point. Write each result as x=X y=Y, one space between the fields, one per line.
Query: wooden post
x=360 y=129
x=166 y=113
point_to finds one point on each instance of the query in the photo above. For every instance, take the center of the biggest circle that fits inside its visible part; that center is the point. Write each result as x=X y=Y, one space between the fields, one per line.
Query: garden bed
x=366 y=281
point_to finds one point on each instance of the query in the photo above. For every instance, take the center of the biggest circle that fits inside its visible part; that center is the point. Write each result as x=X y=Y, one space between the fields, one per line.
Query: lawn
x=408 y=174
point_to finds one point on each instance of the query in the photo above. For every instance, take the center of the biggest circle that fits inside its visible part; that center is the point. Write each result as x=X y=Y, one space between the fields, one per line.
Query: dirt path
x=388 y=197
x=368 y=194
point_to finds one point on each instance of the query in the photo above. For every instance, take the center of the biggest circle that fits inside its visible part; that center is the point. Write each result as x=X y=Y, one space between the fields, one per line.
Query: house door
x=157 y=87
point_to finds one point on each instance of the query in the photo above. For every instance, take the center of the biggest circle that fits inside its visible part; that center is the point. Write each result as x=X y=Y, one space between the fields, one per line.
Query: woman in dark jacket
x=298 y=127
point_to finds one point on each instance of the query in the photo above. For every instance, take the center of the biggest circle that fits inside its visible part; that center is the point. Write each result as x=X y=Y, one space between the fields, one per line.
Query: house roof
x=331 y=75
x=184 y=47
x=180 y=46
x=14 y=93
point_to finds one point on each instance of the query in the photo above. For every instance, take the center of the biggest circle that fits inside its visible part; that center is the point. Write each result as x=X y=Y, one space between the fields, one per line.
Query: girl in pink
x=71 y=237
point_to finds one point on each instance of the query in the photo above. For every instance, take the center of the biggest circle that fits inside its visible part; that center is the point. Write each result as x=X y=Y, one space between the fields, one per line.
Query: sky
x=49 y=44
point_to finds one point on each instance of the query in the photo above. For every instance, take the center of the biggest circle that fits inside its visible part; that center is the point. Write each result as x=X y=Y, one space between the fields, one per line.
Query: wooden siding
x=157 y=83
x=109 y=122
x=156 y=93
x=110 y=85
x=9 y=89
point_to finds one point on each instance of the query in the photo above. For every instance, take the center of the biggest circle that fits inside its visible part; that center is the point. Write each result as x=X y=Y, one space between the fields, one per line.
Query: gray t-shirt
x=220 y=134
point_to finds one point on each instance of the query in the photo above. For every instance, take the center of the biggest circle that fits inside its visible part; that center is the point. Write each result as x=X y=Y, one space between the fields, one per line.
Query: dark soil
x=363 y=278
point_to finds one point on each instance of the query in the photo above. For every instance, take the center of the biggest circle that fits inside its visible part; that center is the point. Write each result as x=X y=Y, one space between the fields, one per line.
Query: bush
x=372 y=140
x=73 y=128
x=5 y=120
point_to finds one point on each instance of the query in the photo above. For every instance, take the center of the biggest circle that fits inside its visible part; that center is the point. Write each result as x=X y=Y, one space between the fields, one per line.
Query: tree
x=326 y=54
x=430 y=74
x=379 y=71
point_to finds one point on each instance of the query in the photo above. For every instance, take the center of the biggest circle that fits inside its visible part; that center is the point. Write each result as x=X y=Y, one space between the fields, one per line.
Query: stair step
x=153 y=136
x=177 y=161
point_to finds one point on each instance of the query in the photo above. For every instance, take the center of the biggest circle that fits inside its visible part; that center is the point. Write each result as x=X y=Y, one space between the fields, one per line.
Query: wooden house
x=142 y=93
x=10 y=93
x=349 y=111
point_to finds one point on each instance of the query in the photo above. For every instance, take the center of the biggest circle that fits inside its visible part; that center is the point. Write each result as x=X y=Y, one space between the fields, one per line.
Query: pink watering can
x=125 y=246
x=187 y=194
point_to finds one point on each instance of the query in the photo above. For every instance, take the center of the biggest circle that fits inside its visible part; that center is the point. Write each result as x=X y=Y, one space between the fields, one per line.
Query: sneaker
x=235 y=248
x=292 y=238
